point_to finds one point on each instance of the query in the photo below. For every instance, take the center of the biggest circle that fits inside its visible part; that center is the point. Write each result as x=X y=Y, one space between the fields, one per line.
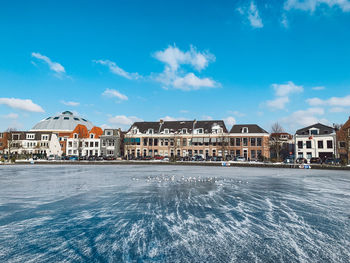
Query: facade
x=32 y=143
x=83 y=142
x=111 y=143
x=3 y=141
x=249 y=141
x=317 y=140
x=281 y=145
x=343 y=142
x=175 y=138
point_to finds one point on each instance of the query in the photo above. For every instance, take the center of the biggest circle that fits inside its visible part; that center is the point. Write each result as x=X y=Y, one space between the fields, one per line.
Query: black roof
x=176 y=126
x=252 y=128
x=324 y=129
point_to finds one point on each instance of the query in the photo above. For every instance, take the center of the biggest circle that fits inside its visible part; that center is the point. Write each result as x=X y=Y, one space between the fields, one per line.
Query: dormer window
x=314 y=132
x=184 y=131
x=245 y=130
x=134 y=130
x=200 y=130
x=91 y=136
x=150 y=131
x=166 y=131
x=30 y=136
x=75 y=136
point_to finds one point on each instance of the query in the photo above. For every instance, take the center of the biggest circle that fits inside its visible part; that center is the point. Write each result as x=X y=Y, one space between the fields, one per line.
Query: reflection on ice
x=173 y=214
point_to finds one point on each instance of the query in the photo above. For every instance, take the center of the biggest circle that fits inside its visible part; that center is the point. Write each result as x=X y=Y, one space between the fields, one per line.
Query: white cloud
x=175 y=77
x=192 y=82
x=319 y=88
x=230 y=121
x=311 y=5
x=287 y=89
x=284 y=21
x=70 y=103
x=117 y=70
x=338 y=109
x=304 y=118
x=252 y=14
x=174 y=58
x=10 y=116
x=114 y=93
x=26 y=105
x=54 y=66
x=123 y=120
x=333 y=101
x=278 y=103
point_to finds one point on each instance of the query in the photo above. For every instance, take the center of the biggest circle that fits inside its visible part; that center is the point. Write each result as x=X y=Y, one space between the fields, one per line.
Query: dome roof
x=66 y=121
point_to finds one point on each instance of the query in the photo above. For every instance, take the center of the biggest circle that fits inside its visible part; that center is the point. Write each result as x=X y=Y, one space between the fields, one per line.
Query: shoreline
x=214 y=164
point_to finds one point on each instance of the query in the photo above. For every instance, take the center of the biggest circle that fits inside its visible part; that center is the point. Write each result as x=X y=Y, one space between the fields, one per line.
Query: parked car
x=109 y=158
x=82 y=158
x=198 y=158
x=316 y=160
x=166 y=159
x=301 y=160
x=240 y=159
x=158 y=157
x=73 y=158
x=330 y=161
x=147 y=158
x=91 y=158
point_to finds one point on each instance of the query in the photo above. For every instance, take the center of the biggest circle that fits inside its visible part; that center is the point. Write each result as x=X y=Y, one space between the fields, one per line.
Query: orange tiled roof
x=97 y=131
x=81 y=130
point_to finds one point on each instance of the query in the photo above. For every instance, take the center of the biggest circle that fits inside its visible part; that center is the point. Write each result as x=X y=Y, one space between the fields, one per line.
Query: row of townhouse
x=191 y=138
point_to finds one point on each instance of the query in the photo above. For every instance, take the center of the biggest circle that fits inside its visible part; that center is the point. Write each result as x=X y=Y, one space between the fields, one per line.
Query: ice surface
x=173 y=214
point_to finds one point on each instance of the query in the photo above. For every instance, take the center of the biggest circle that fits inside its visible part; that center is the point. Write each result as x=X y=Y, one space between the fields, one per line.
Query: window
x=150 y=131
x=184 y=131
x=145 y=141
x=300 y=155
x=329 y=144
x=70 y=144
x=252 y=142
x=232 y=141
x=300 y=144
x=238 y=152
x=342 y=144
x=30 y=136
x=75 y=136
x=238 y=141
x=314 y=132
x=56 y=118
x=200 y=130
x=245 y=141
x=109 y=133
x=308 y=144
x=96 y=144
x=258 y=142
x=44 y=137
x=91 y=144
x=184 y=142
x=166 y=131
x=245 y=130
x=258 y=153
x=320 y=144
x=155 y=142
x=308 y=155
x=1 y=135
x=91 y=136
x=66 y=118
x=76 y=119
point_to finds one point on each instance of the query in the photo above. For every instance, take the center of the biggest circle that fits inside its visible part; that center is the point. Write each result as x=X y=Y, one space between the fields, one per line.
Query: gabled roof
x=97 y=131
x=252 y=128
x=176 y=126
x=324 y=129
x=81 y=130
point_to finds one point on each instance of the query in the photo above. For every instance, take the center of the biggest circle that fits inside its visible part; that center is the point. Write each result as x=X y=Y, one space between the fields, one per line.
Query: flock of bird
x=191 y=179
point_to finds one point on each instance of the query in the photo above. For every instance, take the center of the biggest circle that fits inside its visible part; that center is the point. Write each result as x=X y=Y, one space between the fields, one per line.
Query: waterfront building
x=110 y=142
x=175 y=138
x=343 y=142
x=249 y=141
x=281 y=145
x=31 y=143
x=317 y=140
x=3 y=141
x=62 y=125
x=82 y=142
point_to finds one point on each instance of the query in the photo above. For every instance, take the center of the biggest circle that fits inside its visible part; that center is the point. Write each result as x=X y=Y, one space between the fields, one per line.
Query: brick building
x=343 y=142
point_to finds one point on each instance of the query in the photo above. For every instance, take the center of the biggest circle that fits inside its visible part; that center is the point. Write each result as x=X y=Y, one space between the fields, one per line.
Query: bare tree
x=275 y=139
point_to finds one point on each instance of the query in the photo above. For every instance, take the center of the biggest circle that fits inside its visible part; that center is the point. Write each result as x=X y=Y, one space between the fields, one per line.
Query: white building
x=83 y=142
x=317 y=140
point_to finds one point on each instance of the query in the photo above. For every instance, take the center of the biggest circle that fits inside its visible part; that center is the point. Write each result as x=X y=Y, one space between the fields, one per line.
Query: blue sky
x=115 y=62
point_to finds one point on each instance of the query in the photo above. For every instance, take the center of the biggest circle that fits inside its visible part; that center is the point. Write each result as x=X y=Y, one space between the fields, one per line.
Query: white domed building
x=62 y=123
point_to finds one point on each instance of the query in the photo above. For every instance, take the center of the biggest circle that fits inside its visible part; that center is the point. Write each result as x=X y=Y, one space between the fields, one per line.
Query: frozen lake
x=173 y=214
